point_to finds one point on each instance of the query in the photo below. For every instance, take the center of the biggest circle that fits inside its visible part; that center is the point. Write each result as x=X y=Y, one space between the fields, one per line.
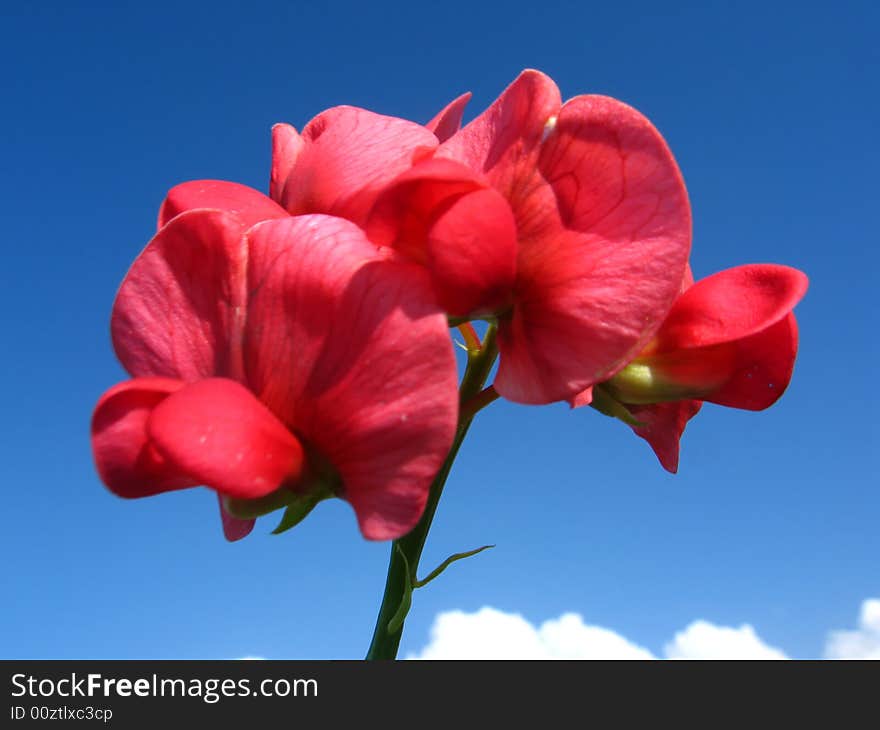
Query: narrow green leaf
x=446 y=563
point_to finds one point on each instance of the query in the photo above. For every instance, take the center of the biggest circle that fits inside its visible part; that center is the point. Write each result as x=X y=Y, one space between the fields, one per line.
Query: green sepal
x=297 y=511
x=610 y=406
x=249 y=509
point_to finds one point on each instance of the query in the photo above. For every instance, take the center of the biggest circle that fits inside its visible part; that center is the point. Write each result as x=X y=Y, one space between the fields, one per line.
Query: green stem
x=407 y=550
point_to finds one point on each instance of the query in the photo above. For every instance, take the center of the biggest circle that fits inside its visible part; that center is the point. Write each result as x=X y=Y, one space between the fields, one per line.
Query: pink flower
x=730 y=339
x=276 y=359
x=602 y=232
x=569 y=223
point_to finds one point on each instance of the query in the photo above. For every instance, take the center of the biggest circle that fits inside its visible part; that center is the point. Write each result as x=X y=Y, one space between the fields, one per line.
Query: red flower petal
x=348 y=156
x=442 y=215
x=180 y=311
x=546 y=354
x=354 y=348
x=663 y=426
x=234 y=528
x=730 y=305
x=404 y=212
x=448 y=121
x=761 y=368
x=504 y=140
x=217 y=432
x=249 y=205
x=286 y=146
x=472 y=254
x=124 y=458
x=584 y=398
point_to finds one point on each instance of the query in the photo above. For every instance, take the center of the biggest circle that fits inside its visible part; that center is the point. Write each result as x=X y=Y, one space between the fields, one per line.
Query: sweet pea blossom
x=567 y=223
x=276 y=358
x=729 y=339
x=602 y=232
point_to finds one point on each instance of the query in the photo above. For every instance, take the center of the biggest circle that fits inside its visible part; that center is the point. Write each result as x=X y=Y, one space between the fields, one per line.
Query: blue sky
x=771 y=111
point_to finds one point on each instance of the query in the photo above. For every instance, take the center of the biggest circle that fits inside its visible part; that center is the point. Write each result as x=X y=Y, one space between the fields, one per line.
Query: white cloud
x=493 y=634
x=864 y=642
x=490 y=633
x=702 y=640
x=568 y=637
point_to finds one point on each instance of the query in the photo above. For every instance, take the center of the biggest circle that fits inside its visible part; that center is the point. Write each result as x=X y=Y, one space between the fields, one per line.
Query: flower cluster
x=292 y=347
